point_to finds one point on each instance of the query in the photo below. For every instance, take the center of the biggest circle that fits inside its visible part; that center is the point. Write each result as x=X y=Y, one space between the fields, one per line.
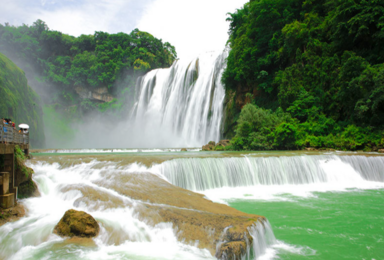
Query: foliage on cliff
x=23 y=176
x=61 y=62
x=19 y=102
x=322 y=62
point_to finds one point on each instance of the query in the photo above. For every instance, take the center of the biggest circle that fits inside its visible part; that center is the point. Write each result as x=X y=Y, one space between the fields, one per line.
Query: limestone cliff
x=98 y=94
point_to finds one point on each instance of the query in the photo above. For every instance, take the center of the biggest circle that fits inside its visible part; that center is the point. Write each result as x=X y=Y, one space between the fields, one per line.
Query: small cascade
x=199 y=174
x=181 y=106
x=259 y=240
x=263 y=239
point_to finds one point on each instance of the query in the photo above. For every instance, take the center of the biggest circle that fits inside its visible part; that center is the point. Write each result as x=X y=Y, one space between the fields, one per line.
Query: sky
x=193 y=27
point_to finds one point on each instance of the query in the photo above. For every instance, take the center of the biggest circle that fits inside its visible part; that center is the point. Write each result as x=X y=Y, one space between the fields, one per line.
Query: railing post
x=1 y=132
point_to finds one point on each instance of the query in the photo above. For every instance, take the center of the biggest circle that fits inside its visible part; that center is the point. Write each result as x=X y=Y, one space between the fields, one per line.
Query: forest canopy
x=61 y=62
x=321 y=62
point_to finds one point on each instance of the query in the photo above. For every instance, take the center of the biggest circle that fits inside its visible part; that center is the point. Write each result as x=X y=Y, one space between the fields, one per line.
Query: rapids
x=96 y=183
x=96 y=187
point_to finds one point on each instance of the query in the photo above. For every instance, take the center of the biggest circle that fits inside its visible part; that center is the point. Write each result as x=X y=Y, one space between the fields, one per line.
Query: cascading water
x=181 y=106
x=122 y=236
x=268 y=177
x=209 y=173
x=92 y=187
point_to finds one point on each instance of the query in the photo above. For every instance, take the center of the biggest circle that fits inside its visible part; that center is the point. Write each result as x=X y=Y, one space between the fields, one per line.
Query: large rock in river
x=77 y=223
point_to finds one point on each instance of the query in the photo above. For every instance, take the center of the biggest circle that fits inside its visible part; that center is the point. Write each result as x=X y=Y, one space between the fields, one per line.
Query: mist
x=179 y=107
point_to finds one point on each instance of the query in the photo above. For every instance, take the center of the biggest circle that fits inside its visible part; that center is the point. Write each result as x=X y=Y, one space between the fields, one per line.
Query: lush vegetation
x=56 y=64
x=27 y=188
x=314 y=73
x=81 y=76
x=19 y=102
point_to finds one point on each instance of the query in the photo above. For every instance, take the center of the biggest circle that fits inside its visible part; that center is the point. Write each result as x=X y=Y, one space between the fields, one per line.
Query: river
x=319 y=205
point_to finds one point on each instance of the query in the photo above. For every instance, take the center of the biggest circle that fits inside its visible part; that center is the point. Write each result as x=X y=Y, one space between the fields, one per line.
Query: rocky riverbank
x=12 y=214
x=216 y=227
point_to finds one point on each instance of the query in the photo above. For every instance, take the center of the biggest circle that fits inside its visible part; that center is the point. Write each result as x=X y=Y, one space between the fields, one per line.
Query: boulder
x=232 y=250
x=224 y=143
x=183 y=150
x=12 y=214
x=381 y=150
x=28 y=189
x=209 y=147
x=77 y=223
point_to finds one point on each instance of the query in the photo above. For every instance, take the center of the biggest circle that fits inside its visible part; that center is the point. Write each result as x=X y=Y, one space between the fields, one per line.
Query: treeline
x=56 y=63
x=314 y=73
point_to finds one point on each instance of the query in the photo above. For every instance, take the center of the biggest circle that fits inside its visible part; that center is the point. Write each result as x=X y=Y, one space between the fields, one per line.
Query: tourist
x=5 y=130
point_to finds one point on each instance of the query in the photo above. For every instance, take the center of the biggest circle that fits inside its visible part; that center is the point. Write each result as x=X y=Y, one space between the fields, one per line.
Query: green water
x=342 y=225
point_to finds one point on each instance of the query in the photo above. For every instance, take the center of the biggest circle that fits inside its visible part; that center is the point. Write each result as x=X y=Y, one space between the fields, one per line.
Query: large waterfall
x=181 y=106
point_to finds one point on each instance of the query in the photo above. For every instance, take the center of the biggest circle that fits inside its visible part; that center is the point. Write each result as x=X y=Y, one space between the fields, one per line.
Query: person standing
x=5 y=123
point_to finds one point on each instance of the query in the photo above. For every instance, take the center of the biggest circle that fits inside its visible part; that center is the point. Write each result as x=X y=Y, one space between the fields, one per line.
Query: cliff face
x=98 y=94
x=19 y=102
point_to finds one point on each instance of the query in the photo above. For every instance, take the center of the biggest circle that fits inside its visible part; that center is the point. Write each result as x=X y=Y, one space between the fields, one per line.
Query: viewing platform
x=9 y=181
x=9 y=137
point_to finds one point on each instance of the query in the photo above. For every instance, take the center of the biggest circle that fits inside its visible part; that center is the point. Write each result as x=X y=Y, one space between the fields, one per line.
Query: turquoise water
x=331 y=225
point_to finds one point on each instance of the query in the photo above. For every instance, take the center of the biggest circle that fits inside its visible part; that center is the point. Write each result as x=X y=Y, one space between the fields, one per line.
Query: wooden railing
x=10 y=135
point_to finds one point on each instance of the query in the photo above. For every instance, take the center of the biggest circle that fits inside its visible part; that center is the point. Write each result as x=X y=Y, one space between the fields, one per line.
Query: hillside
x=310 y=72
x=19 y=102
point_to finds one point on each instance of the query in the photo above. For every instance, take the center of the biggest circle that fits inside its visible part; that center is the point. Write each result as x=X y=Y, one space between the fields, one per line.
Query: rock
x=12 y=214
x=232 y=250
x=209 y=147
x=381 y=150
x=77 y=223
x=224 y=142
x=28 y=189
x=183 y=150
x=310 y=149
x=98 y=94
x=197 y=218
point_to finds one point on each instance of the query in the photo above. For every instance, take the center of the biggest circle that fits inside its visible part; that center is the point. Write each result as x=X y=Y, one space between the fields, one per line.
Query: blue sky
x=193 y=26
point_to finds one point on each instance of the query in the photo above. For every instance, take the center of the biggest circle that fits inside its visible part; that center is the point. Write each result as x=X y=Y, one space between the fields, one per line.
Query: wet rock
x=381 y=150
x=183 y=150
x=234 y=243
x=232 y=250
x=28 y=189
x=197 y=218
x=77 y=223
x=12 y=214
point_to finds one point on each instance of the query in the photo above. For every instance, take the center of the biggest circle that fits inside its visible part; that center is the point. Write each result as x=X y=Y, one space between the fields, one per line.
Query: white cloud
x=75 y=17
x=193 y=27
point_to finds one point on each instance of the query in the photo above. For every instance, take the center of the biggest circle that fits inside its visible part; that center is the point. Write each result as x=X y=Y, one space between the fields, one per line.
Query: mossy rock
x=28 y=189
x=234 y=250
x=77 y=223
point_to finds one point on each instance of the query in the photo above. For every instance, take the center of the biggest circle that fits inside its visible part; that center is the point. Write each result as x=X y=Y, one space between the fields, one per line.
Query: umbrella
x=24 y=126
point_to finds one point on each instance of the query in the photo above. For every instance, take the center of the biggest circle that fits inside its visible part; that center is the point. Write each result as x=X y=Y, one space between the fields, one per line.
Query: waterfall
x=181 y=106
x=263 y=239
x=200 y=174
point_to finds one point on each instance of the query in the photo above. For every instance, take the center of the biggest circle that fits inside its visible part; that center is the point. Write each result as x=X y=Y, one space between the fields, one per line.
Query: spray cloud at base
x=181 y=106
